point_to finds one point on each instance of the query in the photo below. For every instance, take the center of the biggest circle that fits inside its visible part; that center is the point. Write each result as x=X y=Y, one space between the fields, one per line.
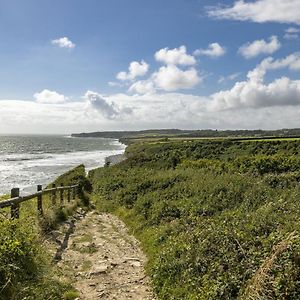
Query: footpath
x=100 y=258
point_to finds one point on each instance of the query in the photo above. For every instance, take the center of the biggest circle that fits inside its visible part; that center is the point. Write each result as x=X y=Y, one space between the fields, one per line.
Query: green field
x=218 y=219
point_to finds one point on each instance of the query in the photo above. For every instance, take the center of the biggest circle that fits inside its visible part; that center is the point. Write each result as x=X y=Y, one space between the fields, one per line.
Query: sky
x=79 y=66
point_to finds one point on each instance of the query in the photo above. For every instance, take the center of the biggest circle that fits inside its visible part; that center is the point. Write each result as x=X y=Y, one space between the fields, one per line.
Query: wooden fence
x=16 y=199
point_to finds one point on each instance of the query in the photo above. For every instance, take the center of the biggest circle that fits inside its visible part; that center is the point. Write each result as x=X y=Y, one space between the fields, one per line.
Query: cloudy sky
x=74 y=66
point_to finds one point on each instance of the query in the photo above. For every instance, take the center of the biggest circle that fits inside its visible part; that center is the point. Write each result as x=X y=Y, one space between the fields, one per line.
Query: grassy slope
x=217 y=219
x=25 y=266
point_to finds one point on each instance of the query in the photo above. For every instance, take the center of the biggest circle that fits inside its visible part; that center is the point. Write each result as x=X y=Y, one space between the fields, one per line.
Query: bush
x=210 y=215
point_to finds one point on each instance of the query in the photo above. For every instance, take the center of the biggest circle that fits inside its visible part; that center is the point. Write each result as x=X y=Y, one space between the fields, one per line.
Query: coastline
x=114 y=159
x=91 y=159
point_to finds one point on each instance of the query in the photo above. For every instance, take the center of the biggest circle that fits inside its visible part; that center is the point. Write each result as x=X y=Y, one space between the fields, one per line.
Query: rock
x=136 y=264
x=99 y=270
x=101 y=294
x=132 y=258
x=114 y=263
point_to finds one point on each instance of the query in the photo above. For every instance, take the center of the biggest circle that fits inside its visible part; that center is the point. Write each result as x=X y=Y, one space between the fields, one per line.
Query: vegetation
x=218 y=219
x=26 y=271
x=128 y=136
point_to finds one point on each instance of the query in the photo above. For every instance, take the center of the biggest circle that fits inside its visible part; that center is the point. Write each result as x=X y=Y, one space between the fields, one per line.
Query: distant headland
x=205 y=133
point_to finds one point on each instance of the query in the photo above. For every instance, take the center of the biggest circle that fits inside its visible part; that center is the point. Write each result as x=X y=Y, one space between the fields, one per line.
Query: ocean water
x=26 y=161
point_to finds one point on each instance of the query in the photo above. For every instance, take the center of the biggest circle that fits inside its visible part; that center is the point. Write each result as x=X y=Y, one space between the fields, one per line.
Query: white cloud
x=260 y=11
x=280 y=92
x=136 y=69
x=251 y=103
x=166 y=110
x=213 y=50
x=63 y=42
x=142 y=87
x=171 y=78
x=292 y=30
x=116 y=84
x=47 y=96
x=258 y=47
x=97 y=102
x=291 y=33
x=254 y=93
x=176 y=56
x=229 y=77
x=292 y=62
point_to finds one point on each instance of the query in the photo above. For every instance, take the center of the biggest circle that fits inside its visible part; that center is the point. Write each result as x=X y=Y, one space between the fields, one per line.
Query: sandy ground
x=100 y=258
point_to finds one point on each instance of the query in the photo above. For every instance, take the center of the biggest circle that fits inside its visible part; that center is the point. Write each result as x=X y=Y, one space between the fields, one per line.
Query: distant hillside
x=130 y=134
x=163 y=133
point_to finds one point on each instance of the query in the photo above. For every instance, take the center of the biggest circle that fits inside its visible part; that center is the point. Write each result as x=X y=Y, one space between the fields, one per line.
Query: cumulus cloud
x=164 y=110
x=259 y=11
x=63 y=42
x=258 y=47
x=97 y=102
x=292 y=62
x=176 y=56
x=280 y=92
x=213 y=50
x=252 y=103
x=47 y=96
x=291 y=33
x=168 y=78
x=136 y=69
x=254 y=93
x=143 y=87
x=171 y=78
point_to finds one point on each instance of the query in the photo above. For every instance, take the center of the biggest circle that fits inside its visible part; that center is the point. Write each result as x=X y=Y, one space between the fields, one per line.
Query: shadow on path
x=64 y=244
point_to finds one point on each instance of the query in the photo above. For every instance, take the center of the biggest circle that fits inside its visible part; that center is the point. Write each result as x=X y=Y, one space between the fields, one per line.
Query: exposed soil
x=101 y=259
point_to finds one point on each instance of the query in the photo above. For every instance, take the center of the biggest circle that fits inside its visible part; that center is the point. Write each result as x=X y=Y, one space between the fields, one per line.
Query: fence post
x=40 y=200
x=61 y=195
x=74 y=192
x=79 y=189
x=15 y=208
x=69 y=194
x=53 y=195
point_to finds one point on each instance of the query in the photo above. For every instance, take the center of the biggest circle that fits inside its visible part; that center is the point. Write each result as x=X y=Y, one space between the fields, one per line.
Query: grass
x=87 y=238
x=218 y=219
x=86 y=265
x=164 y=140
x=71 y=295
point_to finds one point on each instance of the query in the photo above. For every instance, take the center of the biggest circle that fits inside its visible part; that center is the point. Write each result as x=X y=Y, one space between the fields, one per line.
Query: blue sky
x=192 y=58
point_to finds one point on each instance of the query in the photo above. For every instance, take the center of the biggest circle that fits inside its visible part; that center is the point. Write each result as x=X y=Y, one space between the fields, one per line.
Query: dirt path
x=102 y=260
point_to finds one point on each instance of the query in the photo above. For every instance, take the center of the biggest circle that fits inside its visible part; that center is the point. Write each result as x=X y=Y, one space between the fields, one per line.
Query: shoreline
x=102 y=162
x=114 y=159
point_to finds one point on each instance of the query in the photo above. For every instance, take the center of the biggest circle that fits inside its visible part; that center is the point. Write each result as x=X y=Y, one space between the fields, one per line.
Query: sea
x=26 y=161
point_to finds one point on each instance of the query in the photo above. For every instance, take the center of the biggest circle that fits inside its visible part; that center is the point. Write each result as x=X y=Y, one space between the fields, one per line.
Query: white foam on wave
x=27 y=170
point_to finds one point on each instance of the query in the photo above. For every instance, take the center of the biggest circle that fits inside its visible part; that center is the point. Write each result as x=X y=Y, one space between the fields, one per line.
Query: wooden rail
x=16 y=199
